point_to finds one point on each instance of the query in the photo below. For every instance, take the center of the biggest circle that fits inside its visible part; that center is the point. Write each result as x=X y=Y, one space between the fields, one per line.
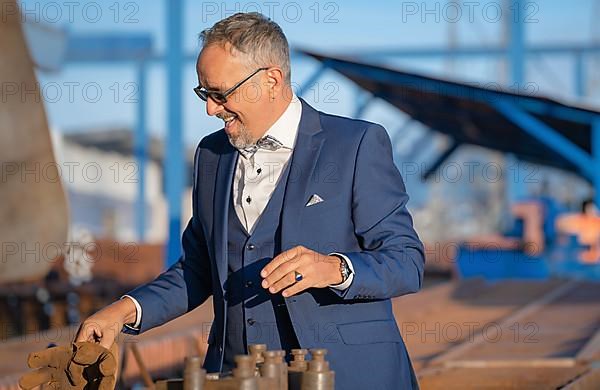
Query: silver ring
x=298 y=276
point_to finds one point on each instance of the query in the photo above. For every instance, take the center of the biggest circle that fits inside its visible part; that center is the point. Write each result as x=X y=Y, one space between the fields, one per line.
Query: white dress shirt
x=256 y=176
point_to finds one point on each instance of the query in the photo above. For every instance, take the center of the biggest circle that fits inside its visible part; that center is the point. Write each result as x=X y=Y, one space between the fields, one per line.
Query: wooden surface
x=506 y=335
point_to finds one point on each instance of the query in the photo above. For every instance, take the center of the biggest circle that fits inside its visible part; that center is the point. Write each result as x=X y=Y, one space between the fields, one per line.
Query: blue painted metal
x=579 y=76
x=312 y=80
x=474 y=92
x=596 y=158
x=547 y=135
x=174 y=167
x=516 y=44
x=112 y=48
x=362 y=102
x=141 y=153
x=557 y=111
x=492 y=263
x=440 y=160
x=473 y=51
x=514 y=179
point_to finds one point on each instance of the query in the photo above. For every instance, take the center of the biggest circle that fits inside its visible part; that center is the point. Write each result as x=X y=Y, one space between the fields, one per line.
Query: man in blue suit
x=299 y=232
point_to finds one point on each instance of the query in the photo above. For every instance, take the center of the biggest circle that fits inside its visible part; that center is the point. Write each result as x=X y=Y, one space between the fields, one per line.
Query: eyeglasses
x=221 y=97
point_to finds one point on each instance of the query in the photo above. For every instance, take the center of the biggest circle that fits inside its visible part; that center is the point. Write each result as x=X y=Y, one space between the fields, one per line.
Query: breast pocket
x=327 y=206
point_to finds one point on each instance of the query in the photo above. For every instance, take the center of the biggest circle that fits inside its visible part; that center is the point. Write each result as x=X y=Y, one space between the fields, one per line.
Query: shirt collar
x=285 y=129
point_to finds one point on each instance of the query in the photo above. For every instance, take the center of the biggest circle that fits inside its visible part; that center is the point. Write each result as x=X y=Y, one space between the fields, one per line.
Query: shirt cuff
x=348 y=282
x=138 y=314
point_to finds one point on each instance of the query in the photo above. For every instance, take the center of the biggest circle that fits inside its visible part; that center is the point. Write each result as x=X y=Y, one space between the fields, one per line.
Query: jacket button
x=251 y=247
x=251 y=321
x=249 y=283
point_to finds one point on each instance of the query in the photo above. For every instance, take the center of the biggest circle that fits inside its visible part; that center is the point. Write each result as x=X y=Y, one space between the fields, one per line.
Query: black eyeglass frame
x=221 y=97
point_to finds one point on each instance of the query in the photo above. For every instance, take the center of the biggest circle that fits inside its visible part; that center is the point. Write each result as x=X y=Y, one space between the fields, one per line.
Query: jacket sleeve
x=185 y=285
x=392 y=258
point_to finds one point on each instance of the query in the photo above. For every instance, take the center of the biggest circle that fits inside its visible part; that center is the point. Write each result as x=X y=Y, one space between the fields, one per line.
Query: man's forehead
x=217 y=67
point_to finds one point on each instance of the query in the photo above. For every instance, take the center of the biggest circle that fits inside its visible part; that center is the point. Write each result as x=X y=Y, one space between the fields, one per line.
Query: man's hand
x=105 y=325
x=317 y=270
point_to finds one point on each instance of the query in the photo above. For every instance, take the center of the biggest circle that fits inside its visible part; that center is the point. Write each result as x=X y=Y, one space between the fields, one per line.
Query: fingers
x=283 y=257
x=36 y=378
x=296 y=288
x=287 y=280
x=281 y=275
x=107 y=341
x=88 y=331
x=99 y=332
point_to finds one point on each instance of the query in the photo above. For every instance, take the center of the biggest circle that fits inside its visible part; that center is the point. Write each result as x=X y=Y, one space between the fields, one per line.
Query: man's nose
x=212 y=107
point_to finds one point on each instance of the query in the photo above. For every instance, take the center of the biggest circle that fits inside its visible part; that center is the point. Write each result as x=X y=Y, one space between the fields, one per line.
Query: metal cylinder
x=283 y=375
x=299 y=362
x=274 y=367
x=297 y=367
x=318 y=376
x=194 y=375
x=256 y=351
x=243 y=373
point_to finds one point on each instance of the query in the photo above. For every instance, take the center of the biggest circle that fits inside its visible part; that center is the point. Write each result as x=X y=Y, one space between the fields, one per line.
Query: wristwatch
x=344 y=269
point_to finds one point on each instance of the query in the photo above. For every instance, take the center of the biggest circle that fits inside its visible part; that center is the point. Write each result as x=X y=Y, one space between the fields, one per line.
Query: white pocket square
x=314 y=200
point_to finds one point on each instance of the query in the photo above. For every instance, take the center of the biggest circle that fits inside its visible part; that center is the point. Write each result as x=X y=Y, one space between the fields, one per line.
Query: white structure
x=99 y=172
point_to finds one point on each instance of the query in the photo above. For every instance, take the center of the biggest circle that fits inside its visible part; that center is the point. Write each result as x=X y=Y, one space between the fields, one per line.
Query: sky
x=106 y=95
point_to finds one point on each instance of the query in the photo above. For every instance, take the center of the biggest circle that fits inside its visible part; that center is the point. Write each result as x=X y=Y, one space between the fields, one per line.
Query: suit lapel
x=225 y=172
x=303 y=161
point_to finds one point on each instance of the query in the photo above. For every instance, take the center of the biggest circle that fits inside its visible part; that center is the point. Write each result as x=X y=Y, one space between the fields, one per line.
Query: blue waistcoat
x=255 y=316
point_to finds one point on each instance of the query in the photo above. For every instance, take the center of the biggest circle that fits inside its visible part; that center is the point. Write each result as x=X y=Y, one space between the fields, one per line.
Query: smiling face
x=253 y=107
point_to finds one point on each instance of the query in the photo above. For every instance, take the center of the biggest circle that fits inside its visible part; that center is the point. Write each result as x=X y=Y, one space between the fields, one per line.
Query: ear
x=274 y=78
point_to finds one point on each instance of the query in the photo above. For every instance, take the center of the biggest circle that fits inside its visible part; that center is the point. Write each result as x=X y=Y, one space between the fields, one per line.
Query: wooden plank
x=591 y=350
x=502 y=378
x=587 y=381
x=479 y=338
x=548 y=362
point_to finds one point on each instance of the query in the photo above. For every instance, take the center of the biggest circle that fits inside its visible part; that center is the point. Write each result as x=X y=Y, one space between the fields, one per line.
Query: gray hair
x=258 y=38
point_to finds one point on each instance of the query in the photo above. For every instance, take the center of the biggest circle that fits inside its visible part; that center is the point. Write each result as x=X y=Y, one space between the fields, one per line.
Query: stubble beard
x=243 y=139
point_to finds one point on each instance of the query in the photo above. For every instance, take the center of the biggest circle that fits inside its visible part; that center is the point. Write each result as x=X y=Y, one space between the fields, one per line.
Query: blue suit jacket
x=349 y=164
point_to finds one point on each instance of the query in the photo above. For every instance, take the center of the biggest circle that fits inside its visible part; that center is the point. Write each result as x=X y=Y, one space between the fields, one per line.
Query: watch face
x=345 y=270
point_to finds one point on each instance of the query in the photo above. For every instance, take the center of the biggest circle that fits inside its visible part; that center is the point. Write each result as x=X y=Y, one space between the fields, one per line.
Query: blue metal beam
x=174 y=167
x=474 y=92
x=97 y=48
x=579 y=76
x=514 y=179
x=516 y=45
x=596 y=158
x=396 y=136
x=474 y=51
x=440 y=160
x=141 y=153
x=548 y=136
x=362 y=102
x=312 y=79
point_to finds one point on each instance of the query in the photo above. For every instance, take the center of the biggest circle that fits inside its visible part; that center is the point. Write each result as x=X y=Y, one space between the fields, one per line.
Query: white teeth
x=229 y=119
